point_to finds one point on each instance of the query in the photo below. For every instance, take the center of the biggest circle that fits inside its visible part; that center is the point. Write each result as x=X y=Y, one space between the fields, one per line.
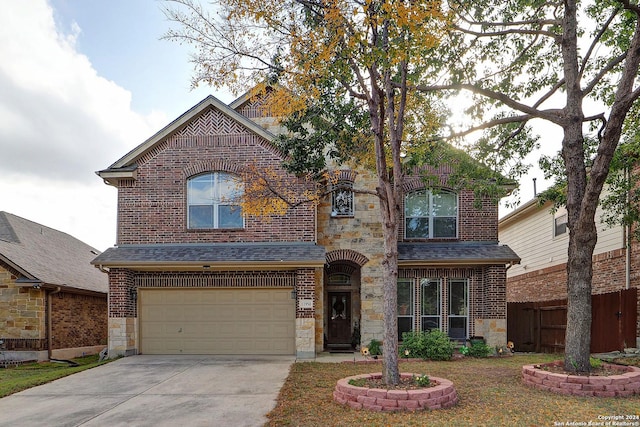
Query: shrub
x=480 y=349
x=434 y=345
x=375 y=347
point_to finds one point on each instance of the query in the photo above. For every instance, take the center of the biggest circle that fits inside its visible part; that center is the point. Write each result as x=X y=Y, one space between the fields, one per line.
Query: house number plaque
x=305 y=303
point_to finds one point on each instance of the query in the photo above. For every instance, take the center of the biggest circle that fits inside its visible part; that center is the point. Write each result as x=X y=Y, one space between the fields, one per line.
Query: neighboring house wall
x=78 y=320
x=22 y=314
x=542 y=276
x=531 y=235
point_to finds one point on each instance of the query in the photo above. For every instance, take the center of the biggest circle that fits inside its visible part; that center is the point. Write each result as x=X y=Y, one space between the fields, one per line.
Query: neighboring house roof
x=455 y=253
x=48 y=257
x=525 y=209
x=215 y=255
x=126 y=166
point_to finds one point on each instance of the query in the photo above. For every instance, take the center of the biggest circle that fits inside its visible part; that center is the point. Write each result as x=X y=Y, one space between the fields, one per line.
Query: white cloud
x=60 y=121
x=59 y=118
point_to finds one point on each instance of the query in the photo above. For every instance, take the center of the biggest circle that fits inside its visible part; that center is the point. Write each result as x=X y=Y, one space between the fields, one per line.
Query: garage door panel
x=217 y=321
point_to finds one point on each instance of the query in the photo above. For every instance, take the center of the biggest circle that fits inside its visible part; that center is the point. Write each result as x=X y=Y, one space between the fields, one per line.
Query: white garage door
x=217 y=321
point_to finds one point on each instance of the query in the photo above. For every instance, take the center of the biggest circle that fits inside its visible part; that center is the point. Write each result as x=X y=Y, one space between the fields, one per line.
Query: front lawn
x=13 y=380
x=490 y=391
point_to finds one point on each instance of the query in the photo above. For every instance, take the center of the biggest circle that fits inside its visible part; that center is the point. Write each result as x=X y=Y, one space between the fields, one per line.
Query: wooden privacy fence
x=540 y=326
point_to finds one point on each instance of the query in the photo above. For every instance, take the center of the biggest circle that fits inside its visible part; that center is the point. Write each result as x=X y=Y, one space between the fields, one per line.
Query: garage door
x=217 y=321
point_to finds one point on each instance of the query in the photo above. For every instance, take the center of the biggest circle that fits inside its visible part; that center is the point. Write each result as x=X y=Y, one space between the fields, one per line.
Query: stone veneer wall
x=22 y=310
x=362 y=233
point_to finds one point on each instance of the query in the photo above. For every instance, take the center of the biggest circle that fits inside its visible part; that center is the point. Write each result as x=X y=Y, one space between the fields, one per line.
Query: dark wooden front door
x=339 y=315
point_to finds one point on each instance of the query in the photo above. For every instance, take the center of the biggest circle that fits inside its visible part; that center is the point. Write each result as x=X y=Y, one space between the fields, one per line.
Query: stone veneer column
x=123 y=320
x=493 y=327
x=306 y=280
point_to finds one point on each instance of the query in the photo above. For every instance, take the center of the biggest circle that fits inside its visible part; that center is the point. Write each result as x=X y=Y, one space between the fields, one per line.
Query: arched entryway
x=342 y=300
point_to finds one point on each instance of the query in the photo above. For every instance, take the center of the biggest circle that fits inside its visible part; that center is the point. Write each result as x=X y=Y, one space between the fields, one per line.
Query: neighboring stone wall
x=22 y=310
x=78 y=320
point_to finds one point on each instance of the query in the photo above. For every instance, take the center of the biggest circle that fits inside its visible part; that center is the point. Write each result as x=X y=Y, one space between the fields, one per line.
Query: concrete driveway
x=181 y=391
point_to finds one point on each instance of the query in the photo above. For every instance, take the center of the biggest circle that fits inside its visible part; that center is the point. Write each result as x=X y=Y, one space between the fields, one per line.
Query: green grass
x=15 y=379
x=490 y=390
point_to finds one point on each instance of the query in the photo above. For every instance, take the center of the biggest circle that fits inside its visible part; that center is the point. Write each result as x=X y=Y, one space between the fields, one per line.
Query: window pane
x=405 y=324
x=200 y=216
x=458 y=297
x=430 y=322
x=444 y=227
x=228 y=188
x=405 y=298
x=430 y=297
x=417 y=228
x=200 y=190
x=445 y=204
x=416 y=205
x=458 y=328
x=229 y=216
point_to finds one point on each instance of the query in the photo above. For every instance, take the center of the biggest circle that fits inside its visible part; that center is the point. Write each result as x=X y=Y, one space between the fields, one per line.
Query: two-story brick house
x=192 y=274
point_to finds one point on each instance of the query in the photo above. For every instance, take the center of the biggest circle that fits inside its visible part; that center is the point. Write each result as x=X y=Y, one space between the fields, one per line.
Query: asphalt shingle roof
x=49 y=255
x=458 y=252
x=212 y=253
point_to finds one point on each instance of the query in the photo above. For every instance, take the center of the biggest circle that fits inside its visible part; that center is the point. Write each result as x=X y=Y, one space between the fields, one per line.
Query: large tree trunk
x=390 y=367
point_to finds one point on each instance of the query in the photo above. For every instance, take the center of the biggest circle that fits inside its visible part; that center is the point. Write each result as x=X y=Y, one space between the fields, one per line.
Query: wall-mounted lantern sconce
x=294 y=294
x=133 y=294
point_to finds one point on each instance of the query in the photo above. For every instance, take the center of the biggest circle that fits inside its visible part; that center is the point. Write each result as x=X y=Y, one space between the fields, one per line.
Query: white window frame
x=217 y=200
x=429 y=198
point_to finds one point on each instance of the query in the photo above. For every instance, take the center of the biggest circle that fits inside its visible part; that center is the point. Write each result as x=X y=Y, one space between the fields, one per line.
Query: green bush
x=433 y=345
x=375 y=347
x=480 y=349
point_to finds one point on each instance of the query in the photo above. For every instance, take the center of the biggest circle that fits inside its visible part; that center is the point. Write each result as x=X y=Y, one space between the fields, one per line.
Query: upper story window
x=431 y=215
x=212 y=201
x=559 y=225
x=342 y=199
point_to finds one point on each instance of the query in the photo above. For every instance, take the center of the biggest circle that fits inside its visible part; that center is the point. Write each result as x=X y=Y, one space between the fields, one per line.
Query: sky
x=82 y=82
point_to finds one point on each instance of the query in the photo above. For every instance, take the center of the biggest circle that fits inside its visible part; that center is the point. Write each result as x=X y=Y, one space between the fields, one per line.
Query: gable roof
x=47 y=256
x=125 y=166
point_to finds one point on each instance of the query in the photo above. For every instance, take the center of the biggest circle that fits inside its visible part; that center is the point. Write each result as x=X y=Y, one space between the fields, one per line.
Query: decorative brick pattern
x=626 y=383
x=442 y=395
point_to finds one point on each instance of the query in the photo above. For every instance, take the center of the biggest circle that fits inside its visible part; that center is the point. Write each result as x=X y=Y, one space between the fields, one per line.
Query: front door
x=339 y=315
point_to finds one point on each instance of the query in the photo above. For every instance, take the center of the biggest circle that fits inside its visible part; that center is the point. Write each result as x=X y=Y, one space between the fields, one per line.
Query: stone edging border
x=442 y=395
x=627 y=383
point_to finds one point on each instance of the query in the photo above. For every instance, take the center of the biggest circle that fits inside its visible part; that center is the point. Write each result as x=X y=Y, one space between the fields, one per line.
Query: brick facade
x=152 y=209
x=78 y=320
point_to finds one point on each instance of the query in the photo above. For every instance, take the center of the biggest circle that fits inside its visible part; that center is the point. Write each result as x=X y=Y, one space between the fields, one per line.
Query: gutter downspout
x=49 y=319
x=627 y=231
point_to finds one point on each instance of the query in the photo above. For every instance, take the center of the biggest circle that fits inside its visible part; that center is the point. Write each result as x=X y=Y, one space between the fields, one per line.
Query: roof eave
x=209 y=266
x=113 y=176
x=456 y=262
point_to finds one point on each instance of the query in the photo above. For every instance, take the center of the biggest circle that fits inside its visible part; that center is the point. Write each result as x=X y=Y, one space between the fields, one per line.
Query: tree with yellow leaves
x=343 y=73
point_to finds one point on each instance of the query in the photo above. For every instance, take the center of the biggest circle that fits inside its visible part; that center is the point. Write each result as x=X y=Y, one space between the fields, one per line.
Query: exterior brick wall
x=78 y=320
x=121 y=303
x=153 y=207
